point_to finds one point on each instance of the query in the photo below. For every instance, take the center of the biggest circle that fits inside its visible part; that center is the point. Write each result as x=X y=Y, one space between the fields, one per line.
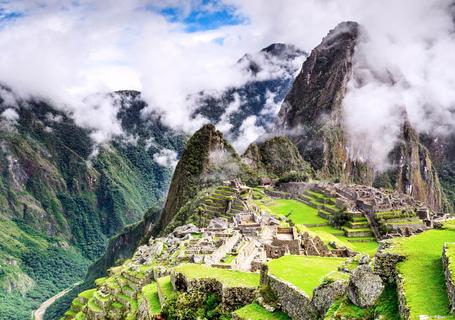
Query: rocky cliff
x=413 y=172
x=312 y=115
x=312 y=111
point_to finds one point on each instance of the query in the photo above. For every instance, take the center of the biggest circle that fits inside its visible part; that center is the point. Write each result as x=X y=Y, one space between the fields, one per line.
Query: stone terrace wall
x=293 y=301
x=402 y=303
x=231 y=297
x=449 y=276
x=385 y=265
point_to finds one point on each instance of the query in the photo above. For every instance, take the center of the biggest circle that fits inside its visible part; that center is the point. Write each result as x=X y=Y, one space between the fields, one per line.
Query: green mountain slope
x=60 y=200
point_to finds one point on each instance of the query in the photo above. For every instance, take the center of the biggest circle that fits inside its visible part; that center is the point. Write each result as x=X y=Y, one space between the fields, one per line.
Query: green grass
x=329 y=233
x=422 y=272
x=256 y=312
x=228 y=278
x=305 y=272
x=87 y=294
x=166 y=286
x=296 y=211
x=301 y=214
x=150 y=292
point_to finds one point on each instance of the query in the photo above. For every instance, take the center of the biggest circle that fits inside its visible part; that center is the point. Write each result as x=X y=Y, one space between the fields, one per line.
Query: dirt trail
x=38 y=314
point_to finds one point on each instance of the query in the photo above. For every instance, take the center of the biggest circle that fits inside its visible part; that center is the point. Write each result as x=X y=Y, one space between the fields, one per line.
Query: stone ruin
x=389 y=213
x=244 y=242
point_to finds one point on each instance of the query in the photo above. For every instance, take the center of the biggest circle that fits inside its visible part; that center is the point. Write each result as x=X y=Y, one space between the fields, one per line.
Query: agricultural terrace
x=305 y=272
x=422 y=271
x=228 y=278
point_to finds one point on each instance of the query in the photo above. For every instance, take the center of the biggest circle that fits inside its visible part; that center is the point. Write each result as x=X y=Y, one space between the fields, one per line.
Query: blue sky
x=207 y=15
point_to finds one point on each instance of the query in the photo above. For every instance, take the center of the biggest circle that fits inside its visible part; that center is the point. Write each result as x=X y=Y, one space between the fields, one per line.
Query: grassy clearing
x=229 y=278
x=256 y=312
x=150 y=292
x=305 y=272
x=423 y=273
x=297 y=211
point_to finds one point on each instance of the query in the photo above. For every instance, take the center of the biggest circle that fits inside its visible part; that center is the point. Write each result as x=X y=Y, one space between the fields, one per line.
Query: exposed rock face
x=275 y=157
x=207 y=159
x=326 y=294
x=313 y=110
x=314 y=106
x=415 y=174
x=365 y=287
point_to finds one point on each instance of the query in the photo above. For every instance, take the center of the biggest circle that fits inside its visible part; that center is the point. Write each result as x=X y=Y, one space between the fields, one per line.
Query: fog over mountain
x=69 y=51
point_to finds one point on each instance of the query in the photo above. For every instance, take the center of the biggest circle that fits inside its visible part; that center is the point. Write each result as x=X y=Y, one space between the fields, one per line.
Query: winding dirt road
x=39 y=313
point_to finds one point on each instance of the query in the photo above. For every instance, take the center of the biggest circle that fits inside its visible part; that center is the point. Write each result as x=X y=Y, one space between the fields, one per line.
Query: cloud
x=166 y=158
x=402 y=68
x=249 y=132
x=67 y=50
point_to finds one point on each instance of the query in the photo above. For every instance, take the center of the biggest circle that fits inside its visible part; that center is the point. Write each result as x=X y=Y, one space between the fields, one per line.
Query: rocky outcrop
x=414 y=172
x=365 y=287
x=275 y=158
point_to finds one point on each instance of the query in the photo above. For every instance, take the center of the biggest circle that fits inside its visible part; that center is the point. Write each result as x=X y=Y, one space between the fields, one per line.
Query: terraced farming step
x=359 y=225
x=354 y=233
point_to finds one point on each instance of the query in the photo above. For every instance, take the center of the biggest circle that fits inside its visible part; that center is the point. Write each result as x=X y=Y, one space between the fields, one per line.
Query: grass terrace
x=256 y=312
x=297 y=211
x=229 y=278
x=305 y=272
x=165 y=286
x=305 y=217
x=423 y=272
x=150 y=292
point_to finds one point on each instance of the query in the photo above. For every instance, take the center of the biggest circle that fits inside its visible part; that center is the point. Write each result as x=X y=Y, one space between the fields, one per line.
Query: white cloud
x=67 y=51
x=249 y=132
x=166 y=158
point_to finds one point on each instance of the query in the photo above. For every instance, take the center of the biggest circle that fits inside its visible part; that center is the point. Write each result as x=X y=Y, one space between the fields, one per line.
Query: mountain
x=62 y=196
x=312 y=114
x=270 y=74
x=275 y=158
x=207 y=160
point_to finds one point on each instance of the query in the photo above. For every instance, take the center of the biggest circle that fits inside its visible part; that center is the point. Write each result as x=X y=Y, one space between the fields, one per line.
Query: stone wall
x=402 y=303
x=449 y=277
x=232 y=298
x=385 y=265
x=225 y=248
x=293 y=301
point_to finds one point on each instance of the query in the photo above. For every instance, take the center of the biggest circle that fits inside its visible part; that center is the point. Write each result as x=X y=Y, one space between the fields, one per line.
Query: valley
x=287 y=184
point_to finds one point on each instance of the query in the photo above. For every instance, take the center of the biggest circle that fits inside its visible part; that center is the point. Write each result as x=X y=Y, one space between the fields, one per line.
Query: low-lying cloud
x=68 y=51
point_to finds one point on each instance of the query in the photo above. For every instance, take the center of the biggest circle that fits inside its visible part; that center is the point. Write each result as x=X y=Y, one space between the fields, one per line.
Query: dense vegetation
x=62 y=197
